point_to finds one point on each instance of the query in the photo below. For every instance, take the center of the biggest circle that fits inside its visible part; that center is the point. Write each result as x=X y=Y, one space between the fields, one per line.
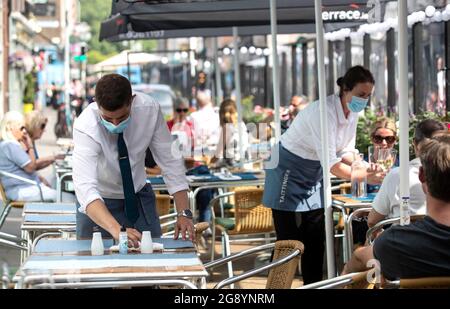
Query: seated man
x=387 y=201
x=420 y=249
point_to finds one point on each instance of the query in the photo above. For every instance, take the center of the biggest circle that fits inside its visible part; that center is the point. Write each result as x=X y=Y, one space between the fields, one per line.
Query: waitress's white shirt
x=303 y=136
x=96 y=171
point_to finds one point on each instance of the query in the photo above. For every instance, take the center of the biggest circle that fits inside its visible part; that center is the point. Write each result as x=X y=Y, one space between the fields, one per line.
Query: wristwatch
x=187 y=213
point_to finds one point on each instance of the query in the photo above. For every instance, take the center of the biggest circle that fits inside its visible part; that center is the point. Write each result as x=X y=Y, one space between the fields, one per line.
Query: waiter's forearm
x=98 y=213
x=181 y=200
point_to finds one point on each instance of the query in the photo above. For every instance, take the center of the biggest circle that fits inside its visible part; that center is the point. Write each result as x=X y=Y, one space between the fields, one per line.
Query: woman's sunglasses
x=184 y=110
x=378 y=139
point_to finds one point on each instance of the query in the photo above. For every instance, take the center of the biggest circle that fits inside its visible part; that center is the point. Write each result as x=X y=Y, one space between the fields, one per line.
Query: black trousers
x=309 y=228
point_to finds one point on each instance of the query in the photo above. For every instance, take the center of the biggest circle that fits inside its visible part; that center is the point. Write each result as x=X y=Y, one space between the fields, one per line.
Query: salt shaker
x=146 y=242
x=97 y=244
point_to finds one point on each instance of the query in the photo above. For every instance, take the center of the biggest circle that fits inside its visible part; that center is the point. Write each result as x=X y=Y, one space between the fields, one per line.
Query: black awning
x=157 y=19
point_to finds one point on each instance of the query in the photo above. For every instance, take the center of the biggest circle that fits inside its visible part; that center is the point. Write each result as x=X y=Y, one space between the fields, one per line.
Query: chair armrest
x=258 y=270
x=31 y=182
x=221 y=196
x=238 y=255
x=13 y=244
x=379 y=226
x=7 y=174
x=11 y=237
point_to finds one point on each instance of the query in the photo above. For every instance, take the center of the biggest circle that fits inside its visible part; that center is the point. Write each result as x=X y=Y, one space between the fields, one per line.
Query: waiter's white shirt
x=96 y=171
x=387 y=201
x=303 y=136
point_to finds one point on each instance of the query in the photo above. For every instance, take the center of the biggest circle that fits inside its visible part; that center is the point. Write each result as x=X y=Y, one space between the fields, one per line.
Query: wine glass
x=386 y=158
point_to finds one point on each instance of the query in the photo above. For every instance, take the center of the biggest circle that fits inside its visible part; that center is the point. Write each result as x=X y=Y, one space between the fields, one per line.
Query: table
x=211 y=182
x=344 y=203
x=34 y=224
x=49 y=208
x=69 y=264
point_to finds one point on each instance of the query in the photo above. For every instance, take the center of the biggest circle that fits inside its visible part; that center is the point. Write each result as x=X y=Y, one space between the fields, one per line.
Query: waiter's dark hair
x=354 y=75
x=112 y=92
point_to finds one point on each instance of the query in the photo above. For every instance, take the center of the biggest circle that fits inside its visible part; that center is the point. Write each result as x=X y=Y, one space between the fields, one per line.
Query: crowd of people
x=122 y=138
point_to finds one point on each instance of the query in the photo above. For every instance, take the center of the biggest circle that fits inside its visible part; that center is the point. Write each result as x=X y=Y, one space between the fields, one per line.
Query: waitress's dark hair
x=354 y=75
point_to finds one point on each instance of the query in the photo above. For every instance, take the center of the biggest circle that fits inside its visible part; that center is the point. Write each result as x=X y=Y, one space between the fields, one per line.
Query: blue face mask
x=115 y=129
x=357 y=104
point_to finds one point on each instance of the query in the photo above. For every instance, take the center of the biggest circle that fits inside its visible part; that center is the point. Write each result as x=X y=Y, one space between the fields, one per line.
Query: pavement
x=47 y=146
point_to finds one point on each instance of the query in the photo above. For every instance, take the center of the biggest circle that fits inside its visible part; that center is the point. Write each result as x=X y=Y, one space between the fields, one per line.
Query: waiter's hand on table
x=375 y=174
x=184 y=225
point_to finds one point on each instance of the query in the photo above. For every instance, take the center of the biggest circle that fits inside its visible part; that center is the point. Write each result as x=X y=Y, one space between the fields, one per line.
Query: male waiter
x=111 y=137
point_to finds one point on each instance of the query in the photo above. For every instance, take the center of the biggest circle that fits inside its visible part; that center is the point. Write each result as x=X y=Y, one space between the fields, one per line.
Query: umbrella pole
x=324 y=137
x=219 y=95
x=275 y=69
x=237 y=82
x=403 y=108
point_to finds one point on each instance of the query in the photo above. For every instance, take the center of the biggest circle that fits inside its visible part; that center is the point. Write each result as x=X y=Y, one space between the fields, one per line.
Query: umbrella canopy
x=216 y=17
x=123 y=59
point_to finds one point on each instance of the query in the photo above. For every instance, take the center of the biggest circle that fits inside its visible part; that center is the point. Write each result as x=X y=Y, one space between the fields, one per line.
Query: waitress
x=294 y=189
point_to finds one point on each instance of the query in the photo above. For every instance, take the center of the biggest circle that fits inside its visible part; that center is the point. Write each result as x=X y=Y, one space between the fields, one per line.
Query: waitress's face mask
x=359 y=97
x=357 y=104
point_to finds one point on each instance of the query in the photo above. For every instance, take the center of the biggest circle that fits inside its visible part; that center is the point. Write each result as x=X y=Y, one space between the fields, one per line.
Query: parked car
x=163 y=94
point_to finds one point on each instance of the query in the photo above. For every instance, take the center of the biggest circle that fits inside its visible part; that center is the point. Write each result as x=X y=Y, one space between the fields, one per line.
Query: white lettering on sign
x=343 y=15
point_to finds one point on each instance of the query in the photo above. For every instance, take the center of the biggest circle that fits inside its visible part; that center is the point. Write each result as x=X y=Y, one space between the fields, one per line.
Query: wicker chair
x=163 y=209
x=199 y=228
x=250 y=218
x=420 y=283
x=7 y=203
x=281 y=269
x=9 y=240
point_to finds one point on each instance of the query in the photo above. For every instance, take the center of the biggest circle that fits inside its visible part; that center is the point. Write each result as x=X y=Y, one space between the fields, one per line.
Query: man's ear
x=422 y=180
x=421 y=175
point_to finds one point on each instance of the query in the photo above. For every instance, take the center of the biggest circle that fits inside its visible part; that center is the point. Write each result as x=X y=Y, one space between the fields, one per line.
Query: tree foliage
x=93 y=12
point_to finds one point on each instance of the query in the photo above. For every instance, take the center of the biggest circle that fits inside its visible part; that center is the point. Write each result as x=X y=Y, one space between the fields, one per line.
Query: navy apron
x=148 y=219
x=295 y=185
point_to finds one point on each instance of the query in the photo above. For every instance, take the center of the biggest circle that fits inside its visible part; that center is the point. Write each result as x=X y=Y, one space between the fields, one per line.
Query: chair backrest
x=281 y=277
x=162 y=204
x=163 y=208
x=250 y=215
x=371 y=232
x=199 y=228
x=425 y=283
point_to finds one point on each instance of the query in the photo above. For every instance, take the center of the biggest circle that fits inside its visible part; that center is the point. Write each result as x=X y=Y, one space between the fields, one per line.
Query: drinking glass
x=386 y=158
x=359 y=177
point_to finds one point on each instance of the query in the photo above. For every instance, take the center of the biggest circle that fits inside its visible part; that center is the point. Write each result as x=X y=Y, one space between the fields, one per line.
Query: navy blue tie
x=131 y=210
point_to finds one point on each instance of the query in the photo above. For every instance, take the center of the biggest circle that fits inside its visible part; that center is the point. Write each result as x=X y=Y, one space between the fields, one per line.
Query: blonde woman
x=35 y=123
x=17 y=157
x=384 y=133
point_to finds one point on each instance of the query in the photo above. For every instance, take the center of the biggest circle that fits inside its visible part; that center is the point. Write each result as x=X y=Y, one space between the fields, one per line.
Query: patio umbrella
x=122 y=59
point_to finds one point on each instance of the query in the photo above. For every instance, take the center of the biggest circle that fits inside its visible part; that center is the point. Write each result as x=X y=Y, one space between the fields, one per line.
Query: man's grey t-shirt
x=421 y=249
x=13 y=159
